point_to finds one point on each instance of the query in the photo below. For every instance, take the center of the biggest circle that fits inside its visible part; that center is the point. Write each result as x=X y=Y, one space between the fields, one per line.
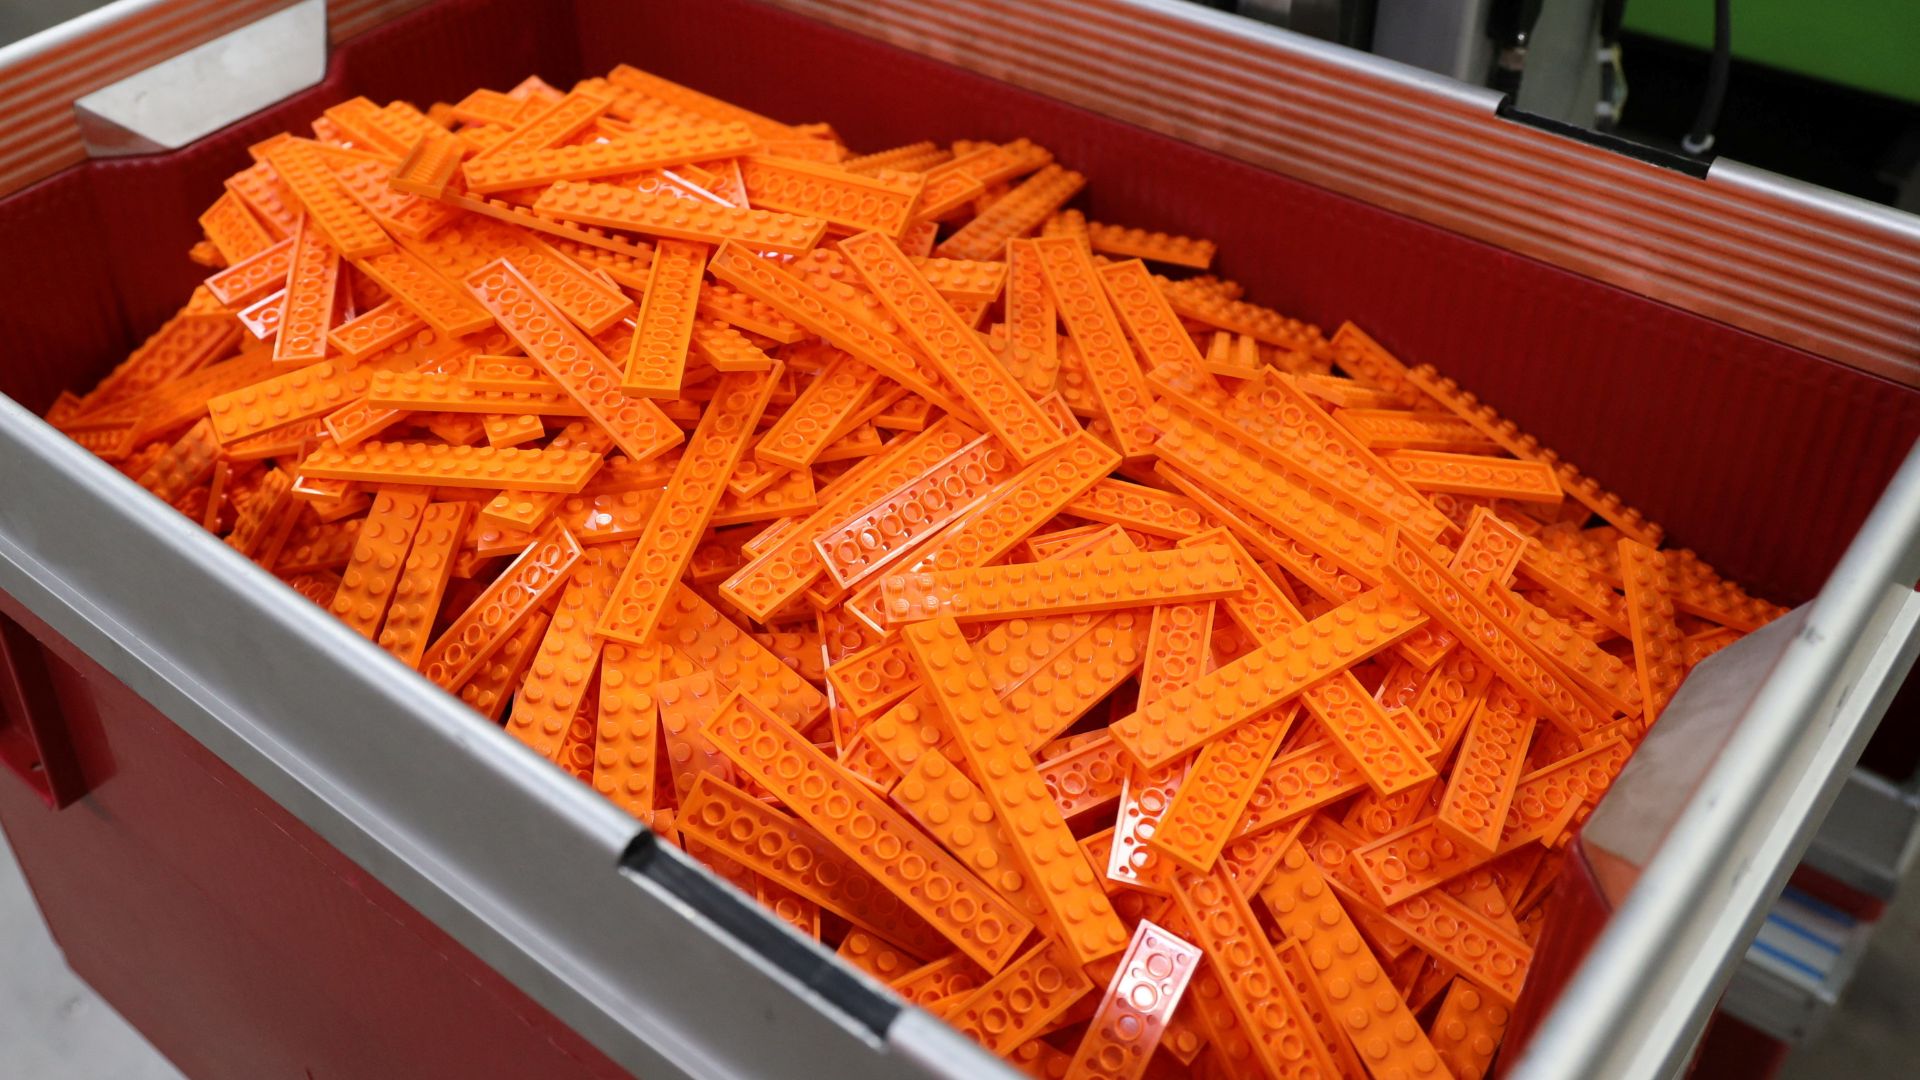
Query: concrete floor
x=52 y=1027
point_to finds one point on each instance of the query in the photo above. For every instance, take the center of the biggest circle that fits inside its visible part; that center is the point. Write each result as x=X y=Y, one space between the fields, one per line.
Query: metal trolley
x=274 y=848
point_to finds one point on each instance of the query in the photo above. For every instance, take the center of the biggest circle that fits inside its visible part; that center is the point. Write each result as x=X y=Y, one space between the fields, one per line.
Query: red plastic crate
x=244 y=945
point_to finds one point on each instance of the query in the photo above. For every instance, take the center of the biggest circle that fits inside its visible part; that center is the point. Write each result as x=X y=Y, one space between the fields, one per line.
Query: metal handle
x=33 y=732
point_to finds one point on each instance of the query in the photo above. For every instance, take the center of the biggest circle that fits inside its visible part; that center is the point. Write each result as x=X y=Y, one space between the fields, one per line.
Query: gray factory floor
x=52 y=1027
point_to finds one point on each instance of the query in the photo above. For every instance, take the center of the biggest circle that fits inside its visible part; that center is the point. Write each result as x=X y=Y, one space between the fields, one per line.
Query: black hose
x=1700 y=139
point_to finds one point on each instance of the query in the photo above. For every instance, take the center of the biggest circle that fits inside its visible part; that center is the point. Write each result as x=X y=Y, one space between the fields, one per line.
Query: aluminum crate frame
x=587 y=920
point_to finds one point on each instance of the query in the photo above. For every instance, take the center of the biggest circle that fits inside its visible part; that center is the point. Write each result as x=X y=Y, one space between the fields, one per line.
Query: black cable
x=1700 y=139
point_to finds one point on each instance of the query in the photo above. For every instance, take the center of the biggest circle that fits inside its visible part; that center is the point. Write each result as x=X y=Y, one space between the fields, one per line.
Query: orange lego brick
x=1576 y=584
x=869 y=681
x=1137 y=1007
x=941 y=798
x=1657 y=649
x=260 y=188
x=233 y=229
x=1467 y=1029
x=1469 y=474
x=1598 y=673
x=802 y=860
x=959 y=356
x=1052 y=697
x=561 y=675
x=314 y=544
x=1032 y=348
x=793 y=493
x=692 y=496
x=685 y=705
x=429 y=165
x=1109 y=361
x=626 y=735
x=1378 y=1024
x=367 y=585
x=911 y=157
x=1699 y=646
x=870 y=832
x=883 y=201
x=724 y=303
x=1569 y=479
x=1087 y=779
x=507 y=168
x=874 y=535
x=1239 y=317
x=446 y=308
x=1396 y=429
x=1300 y=781
x=1150 y=321
x=538 y=124
x=1140 y=508
x=1068 y=223
x=994 y=750
x=687 y=100
x=1126 y=243
x=307 y=305
x=1063 y=586
x=803 y=431
x=723 y=348
x=489 y=688
x=865 y=951
x=185 y=464
x=1274 y=428
x=663 y=329
x=1273 y=497
x=1216 y=791
x=637 y=427
x=423 y=582
x=1237 y=692
x=999 y=521
x=1468 y=617
x=1305 y=981
x=1290 y=421
x=397 y=212
x=1698 y=591
x=614 y=207
x=375 y=329
x=935 y=982
x=507 y=431
x=1385 y=752
x=794 y=300
x=437 y=392
x=348 y=228
x=701 y=633
x=963 y=280
x=255 y=277
x=498 y=611
x=784 y=569
x=455 y=466
x=1270 y=1014
x=1022 y=211
x=1488 y=770
x=1466 y=940
x=1020 y=1001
